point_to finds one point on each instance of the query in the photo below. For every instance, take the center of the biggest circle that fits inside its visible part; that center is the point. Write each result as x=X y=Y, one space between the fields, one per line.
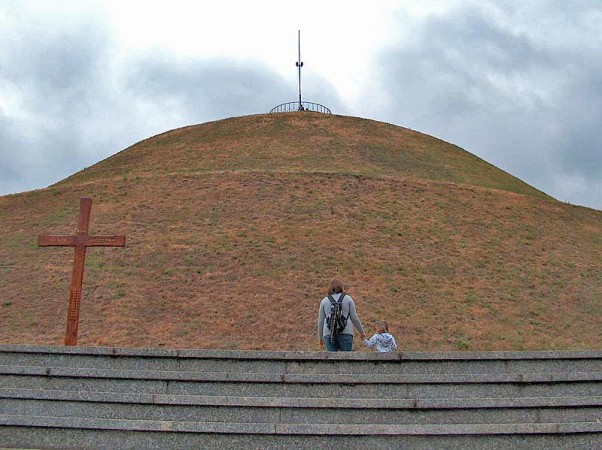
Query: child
x=382 y=340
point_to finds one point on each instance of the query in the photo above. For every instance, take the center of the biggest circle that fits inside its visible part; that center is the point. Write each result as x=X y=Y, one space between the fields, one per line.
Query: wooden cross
x=80 y=241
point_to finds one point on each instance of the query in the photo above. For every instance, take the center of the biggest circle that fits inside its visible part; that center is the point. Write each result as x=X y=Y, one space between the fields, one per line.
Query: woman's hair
x=336 y=287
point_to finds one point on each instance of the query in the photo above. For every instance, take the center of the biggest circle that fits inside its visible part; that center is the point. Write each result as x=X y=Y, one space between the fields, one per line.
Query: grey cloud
x=56 y=79
x=214 y=87
x=61 y=72
x=461 y=63
x=77 y=106
x=579 y=146
x=502 y=95
x=9 y=156
x=318 y=90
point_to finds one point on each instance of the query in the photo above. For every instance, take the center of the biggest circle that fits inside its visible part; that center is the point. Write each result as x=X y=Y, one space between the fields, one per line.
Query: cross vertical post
x=80 y=241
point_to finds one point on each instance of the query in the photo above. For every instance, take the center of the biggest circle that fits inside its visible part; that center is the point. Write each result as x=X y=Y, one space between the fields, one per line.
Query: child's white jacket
x=384 y=342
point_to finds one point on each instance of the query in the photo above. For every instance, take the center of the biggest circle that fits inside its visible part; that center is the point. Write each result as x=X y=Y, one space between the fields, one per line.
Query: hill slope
x=235 y=227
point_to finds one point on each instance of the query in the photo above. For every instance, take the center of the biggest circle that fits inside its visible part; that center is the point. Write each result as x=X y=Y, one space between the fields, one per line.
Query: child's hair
x=383 y=324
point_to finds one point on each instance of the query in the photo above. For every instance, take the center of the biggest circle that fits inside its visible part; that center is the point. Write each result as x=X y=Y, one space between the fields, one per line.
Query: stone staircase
x=57 y=397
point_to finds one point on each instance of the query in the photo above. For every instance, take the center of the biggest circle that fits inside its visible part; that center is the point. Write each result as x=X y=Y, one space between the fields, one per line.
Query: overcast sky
x=517 y=83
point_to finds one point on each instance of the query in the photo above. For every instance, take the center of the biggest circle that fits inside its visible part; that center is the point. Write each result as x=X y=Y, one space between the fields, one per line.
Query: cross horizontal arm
x=47 y=240
x=105 y=241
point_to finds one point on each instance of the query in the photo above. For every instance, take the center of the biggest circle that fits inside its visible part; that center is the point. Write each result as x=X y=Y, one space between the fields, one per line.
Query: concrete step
x=296 y=428
x=299 y=402
x=321 y=378
x=304 y=389
x=302 y=362
x=243 y=411
x=44 y=437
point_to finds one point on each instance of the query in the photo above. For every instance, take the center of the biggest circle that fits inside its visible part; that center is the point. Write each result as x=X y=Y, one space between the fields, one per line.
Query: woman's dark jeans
x=341 y=343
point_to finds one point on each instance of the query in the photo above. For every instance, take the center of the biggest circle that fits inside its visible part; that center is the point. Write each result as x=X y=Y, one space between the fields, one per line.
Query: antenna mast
x=299 y=65
x=299 y=105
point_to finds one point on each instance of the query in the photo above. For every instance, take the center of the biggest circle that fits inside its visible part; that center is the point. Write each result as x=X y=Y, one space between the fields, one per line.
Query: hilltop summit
x=304 y=143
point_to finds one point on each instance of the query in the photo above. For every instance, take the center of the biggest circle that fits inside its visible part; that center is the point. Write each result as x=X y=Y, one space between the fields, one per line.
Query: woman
x=343 y=341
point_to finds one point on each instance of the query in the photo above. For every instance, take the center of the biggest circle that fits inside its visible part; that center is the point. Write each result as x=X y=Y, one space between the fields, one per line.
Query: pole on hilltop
x=299 y=65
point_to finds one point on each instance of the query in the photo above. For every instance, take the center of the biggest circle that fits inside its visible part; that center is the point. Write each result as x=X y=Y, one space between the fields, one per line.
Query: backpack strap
x=341 y=298
x=333 y=301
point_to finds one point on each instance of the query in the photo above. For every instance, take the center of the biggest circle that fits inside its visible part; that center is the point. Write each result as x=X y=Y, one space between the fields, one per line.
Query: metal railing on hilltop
x=300 y=106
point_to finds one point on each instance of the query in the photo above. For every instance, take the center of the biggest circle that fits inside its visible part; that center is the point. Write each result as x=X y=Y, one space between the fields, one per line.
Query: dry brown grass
x=235 y=228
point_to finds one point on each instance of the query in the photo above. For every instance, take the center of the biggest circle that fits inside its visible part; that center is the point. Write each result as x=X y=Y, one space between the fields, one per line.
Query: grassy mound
x=235 y=228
